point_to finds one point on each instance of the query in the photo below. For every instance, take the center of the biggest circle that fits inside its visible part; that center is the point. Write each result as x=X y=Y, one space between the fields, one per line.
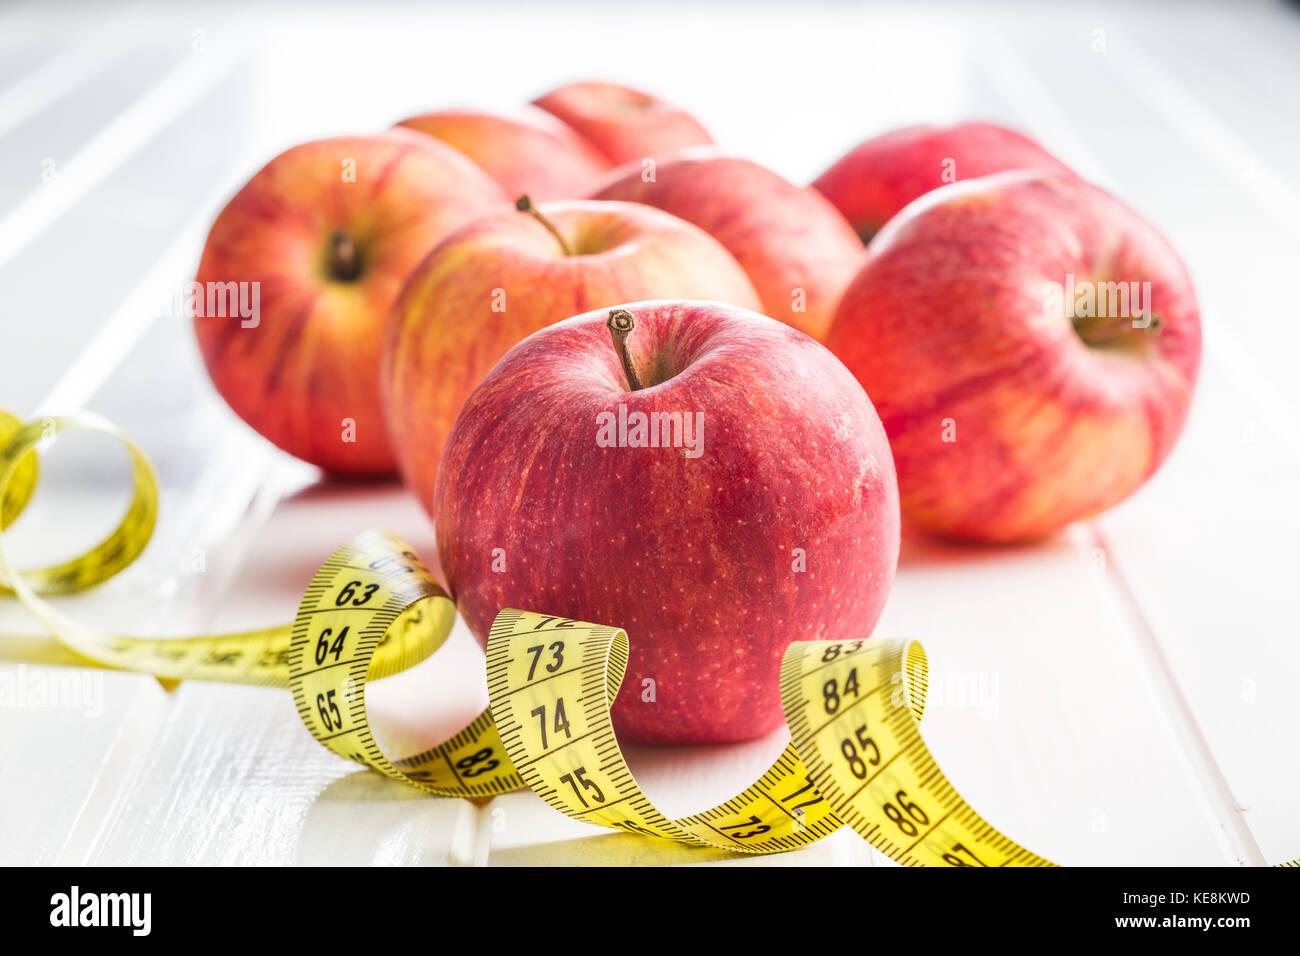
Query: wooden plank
x=1212 y=572
x=90 y=50
x=112 y=233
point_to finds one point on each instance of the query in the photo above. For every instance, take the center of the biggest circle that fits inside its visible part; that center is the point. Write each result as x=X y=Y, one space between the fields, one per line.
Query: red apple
x=1032 y=345
x=876 y=179
x=325 y=234
x=798 y=251
x=770 y=517
x=500 y=279
x=623 y=123
x=531 y=153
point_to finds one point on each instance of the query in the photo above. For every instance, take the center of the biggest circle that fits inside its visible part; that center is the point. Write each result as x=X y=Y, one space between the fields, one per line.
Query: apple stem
x=1103 y=329
x=620 y=325
x=524 y=204
x=344 y=259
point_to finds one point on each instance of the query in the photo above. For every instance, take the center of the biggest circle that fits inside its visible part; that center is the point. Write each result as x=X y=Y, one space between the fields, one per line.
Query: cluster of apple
x=485 y=302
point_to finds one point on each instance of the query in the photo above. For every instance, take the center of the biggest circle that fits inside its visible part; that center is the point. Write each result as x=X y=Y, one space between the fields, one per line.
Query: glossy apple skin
x=947 y=323
x=624 y=124
x=530 y=153
x=693 y=556
x=444 y=335
x=312 y=361
x=877 y=178
x=786 y=237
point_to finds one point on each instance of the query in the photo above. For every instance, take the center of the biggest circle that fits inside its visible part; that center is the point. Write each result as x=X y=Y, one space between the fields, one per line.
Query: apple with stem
x=325 y=234
x=877 y=178
x=797 y=249
x=705 y=477
x=531 y=152
x=503 y=277
x=1032 y=345
x=624 y=124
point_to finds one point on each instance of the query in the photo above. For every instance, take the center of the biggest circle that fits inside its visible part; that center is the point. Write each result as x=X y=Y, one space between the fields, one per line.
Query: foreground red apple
x=796 y=249
x=531 y=152
x=626 y=125
x=739 y=496
x=325 y=235
x=500 y=279
x=876 y=179
x=1032 y=345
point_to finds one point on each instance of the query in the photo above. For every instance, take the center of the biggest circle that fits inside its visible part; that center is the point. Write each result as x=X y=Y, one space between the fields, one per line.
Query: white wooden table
x=1123 y=694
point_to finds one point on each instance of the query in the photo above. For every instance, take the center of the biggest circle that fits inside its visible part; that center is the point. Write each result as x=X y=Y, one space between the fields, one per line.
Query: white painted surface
x=1122 y=694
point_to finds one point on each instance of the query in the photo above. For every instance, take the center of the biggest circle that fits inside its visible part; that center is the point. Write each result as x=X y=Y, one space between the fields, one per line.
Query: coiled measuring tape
x=856 y=756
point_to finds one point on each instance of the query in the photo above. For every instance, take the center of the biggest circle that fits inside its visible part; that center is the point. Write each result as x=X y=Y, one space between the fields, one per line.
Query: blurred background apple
x=623 y=123
x=797 y=249
x=877 y=178
x=526 y=151
x=328 y=231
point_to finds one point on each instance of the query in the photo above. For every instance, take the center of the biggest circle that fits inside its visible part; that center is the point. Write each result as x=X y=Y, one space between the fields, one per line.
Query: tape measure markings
x=373 y=610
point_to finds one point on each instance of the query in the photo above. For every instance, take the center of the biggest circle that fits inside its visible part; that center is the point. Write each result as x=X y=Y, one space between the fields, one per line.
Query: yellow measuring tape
x=855 y=757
